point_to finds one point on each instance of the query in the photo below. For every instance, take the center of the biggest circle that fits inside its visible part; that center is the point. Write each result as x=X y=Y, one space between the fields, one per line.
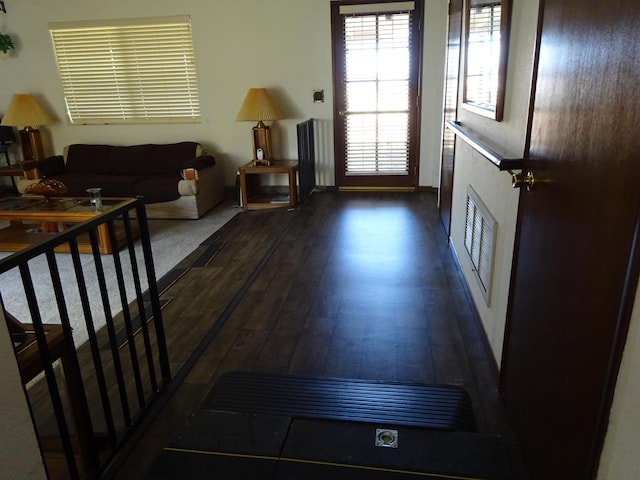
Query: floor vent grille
x=479 y=241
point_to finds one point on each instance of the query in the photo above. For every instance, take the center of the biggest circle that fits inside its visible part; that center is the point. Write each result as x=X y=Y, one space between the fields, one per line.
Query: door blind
x=128 y=71
x=377 y=72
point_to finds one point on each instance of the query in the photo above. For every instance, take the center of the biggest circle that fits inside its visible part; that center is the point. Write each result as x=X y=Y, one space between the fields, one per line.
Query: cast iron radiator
x=306 y=159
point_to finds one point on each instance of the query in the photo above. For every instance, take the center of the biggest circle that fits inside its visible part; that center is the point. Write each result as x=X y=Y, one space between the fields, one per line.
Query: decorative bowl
x=47 y=187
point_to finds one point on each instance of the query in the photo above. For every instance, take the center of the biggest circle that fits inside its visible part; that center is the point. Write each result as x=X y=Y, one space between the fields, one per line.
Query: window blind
x=484 y=54
x=377 y=7
x=377 y=93
x=128 y=71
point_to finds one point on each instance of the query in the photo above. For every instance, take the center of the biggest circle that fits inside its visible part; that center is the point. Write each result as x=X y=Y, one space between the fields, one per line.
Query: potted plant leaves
x=6 y=45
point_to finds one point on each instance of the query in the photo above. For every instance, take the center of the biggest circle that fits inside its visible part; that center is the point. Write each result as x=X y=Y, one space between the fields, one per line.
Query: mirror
x=486 y=43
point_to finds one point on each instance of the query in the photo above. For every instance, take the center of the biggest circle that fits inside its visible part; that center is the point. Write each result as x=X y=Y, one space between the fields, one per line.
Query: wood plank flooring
x=356 y=285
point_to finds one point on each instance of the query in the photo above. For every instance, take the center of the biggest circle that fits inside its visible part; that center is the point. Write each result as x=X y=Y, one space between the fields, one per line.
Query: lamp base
x=261 y=140
x=261 y=163
x=31 y=144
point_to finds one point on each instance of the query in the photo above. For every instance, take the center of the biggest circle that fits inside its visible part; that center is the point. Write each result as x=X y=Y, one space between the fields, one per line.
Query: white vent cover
x=479 y=241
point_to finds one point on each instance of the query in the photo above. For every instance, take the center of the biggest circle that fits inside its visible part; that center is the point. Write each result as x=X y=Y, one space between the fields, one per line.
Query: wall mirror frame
x=486 y=49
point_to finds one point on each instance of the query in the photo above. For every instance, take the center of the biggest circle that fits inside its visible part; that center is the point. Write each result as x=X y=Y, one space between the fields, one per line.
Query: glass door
x=376 y=50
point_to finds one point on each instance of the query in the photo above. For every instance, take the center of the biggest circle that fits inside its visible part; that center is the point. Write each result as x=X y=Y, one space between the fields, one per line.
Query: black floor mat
x=443 y=407
x=320 y=449
x=263 y=426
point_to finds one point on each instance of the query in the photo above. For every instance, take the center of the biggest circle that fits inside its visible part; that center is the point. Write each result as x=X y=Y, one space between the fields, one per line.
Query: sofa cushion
x=88 y=158
x=199 y=163
x=170 y=158
x=158 y=188
x=131 y=160
x=47 y=167
x=112 y=185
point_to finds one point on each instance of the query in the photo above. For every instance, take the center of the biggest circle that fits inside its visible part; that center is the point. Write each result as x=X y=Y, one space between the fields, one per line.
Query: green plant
x=6 y=43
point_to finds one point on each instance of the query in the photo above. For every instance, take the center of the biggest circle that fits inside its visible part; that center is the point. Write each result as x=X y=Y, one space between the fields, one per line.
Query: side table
x=252 y=200
x=12 y=171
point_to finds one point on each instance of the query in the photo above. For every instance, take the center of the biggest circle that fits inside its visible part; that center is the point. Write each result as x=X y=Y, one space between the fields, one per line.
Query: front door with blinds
x=376 y=69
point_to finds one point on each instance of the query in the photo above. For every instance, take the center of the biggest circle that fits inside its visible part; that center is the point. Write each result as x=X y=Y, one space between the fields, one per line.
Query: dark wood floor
x=359 y=285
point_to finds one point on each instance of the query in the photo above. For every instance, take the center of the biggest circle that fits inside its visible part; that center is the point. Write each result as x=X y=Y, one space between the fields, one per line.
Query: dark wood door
x=377 y=52
x=450 y=112
x=575 y=267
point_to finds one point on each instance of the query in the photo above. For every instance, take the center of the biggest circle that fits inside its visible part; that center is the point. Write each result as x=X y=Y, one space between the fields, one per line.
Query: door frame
x=451 y=93
x=386 y=182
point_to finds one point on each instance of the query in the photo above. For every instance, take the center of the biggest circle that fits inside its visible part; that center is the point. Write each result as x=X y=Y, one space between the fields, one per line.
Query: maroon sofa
x=158 y=173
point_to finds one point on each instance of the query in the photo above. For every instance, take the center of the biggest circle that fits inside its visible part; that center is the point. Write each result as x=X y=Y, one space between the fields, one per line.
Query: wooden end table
x=252 y=200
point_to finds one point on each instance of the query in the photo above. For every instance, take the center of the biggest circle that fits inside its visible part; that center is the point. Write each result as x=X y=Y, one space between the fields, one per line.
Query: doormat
x=334 y=428
x=442 y=407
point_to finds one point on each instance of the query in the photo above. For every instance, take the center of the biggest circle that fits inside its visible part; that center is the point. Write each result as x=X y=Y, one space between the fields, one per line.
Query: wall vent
x=479 y=241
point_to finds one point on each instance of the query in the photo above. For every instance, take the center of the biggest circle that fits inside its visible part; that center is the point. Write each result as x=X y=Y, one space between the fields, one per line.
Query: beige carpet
x=171 y=242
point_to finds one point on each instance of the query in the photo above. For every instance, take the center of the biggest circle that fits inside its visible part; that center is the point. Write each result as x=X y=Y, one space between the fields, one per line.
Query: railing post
x=145 y=238
x=92 y=370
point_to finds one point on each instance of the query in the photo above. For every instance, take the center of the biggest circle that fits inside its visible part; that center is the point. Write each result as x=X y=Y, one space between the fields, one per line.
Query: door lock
x=519 y=180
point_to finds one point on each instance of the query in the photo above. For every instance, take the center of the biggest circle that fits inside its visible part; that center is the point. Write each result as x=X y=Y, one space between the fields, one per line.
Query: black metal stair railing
x=87 y=400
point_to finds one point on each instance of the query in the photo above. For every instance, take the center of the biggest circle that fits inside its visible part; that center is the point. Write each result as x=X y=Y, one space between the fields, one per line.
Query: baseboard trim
x=376 y=189
x=478 y=319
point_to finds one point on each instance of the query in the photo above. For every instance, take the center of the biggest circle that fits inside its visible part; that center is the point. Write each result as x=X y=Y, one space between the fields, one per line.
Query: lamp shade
x=24 y=110
x=258 y=106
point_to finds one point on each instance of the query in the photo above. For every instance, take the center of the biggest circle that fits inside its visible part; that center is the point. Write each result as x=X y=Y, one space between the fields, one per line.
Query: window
x=486 y=42
x=128 y=71
x=483 y=54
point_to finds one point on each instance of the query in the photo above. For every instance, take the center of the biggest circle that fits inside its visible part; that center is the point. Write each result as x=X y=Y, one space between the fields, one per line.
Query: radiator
x=306 y=159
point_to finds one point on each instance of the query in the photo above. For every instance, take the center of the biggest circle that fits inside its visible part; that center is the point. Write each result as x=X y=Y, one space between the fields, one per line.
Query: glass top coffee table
x=34 y=219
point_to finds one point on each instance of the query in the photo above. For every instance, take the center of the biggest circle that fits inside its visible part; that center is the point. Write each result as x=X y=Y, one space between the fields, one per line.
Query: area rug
x=171 y=242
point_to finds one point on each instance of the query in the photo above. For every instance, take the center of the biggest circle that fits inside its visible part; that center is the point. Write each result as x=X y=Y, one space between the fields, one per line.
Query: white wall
x=620 y=457
x=435 y=45
x=19 y=456
x=492 y=185
x=283 y=45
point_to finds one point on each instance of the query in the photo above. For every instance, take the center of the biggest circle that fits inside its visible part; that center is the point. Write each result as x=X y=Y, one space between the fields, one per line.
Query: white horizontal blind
x=377 y=48
x=394 y=6
x=128 y=71
x=483 y=58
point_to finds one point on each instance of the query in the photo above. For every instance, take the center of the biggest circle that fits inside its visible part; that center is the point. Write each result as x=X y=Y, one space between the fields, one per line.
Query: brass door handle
x=519 y=180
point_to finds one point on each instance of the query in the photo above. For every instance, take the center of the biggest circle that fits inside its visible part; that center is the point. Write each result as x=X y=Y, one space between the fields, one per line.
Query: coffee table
x=27 y=216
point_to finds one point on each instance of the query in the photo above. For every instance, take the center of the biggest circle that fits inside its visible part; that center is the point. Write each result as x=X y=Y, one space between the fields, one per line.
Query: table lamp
x=24 y=110
x=258 y=106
